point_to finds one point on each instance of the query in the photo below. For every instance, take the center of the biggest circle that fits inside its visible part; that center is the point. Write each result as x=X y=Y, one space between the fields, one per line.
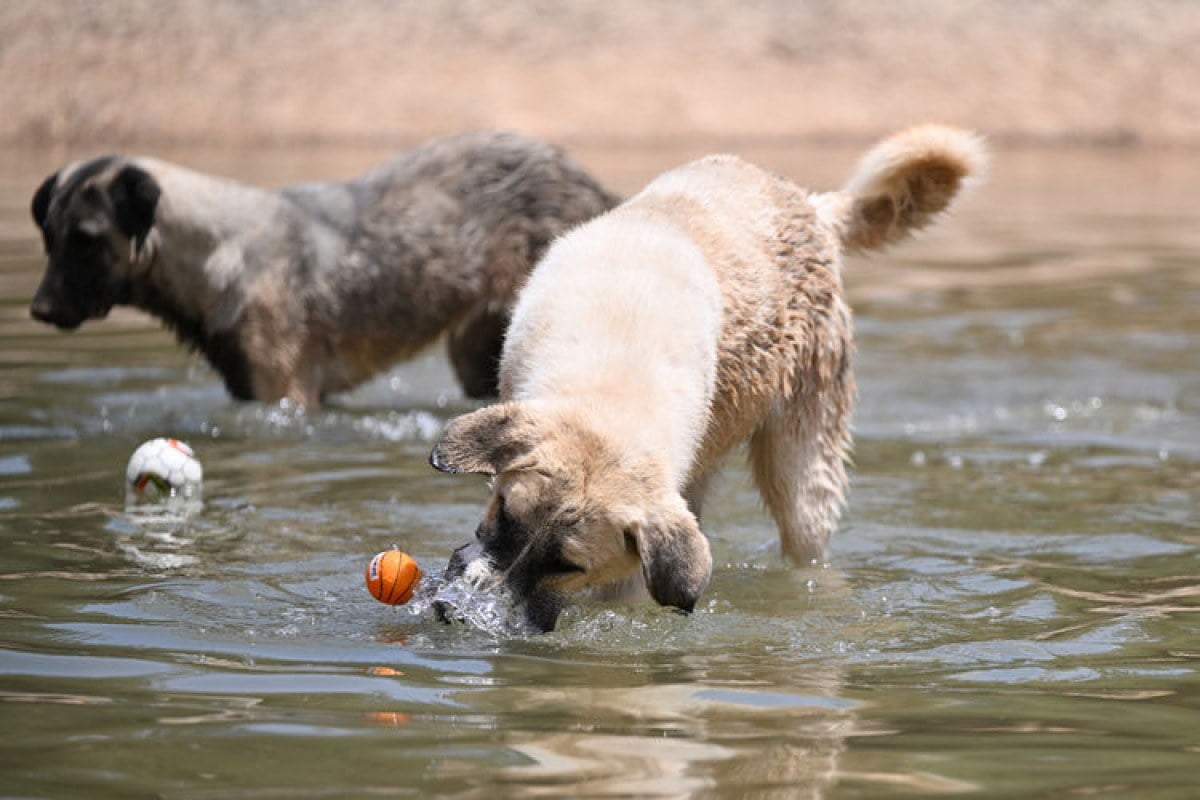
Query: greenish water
x=1010 y=608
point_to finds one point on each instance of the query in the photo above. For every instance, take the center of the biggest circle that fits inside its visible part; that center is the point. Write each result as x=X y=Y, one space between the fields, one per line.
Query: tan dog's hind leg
x=798 y=457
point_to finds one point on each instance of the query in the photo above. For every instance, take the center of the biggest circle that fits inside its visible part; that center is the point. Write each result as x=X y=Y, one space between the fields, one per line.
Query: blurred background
x=141 y=72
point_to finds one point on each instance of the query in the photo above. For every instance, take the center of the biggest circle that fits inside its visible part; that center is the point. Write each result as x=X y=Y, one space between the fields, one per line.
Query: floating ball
x=392 y=576
x=162 y=469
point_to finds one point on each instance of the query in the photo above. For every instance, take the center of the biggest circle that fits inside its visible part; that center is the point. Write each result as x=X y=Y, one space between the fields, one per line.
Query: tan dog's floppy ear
x=486 y=441
x=676 y=561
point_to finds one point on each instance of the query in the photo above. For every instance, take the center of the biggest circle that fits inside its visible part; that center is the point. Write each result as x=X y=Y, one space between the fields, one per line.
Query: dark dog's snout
x=48 y=303
x=44 y=310
x=41 y=310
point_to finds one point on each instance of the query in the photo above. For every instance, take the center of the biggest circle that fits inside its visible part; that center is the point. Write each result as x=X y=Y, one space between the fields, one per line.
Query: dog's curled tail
x=902 y=185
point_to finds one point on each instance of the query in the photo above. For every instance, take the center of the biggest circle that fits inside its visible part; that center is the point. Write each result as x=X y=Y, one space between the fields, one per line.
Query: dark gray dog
x=312 y=289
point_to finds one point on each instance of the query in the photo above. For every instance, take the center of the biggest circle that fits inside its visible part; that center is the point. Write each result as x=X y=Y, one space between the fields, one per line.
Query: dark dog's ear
x=487 y=441
x=676 y=561
x=41 y=200
x=134 y=194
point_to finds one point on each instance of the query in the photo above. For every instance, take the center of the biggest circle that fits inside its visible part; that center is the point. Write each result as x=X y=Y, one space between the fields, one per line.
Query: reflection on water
x=1009 y=609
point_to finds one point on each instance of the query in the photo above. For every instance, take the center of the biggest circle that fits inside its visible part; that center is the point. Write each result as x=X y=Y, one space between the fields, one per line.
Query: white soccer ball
x=161 y=470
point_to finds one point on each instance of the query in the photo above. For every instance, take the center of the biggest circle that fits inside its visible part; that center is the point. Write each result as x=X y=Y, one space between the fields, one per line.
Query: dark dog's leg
x=475 y=347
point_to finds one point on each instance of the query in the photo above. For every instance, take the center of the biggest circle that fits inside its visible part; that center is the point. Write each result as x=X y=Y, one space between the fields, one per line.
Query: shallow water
x=1009 y=609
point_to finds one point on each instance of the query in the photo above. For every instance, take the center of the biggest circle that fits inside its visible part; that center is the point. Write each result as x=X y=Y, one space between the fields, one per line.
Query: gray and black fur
x=310 y=290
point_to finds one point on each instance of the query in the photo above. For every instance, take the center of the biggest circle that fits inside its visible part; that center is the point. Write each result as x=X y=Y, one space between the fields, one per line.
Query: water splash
x=486 y=608
x=160 y=534
x=172 y=510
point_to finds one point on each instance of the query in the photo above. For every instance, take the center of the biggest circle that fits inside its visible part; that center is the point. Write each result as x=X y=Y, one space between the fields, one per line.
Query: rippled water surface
x=1009 y=609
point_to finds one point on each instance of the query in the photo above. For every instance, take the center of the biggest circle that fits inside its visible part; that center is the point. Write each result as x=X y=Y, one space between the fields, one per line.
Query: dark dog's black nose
x=65 y=319
x=40 y=310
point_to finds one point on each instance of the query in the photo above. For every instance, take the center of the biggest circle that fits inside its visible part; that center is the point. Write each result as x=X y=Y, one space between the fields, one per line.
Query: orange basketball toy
x=392 y=576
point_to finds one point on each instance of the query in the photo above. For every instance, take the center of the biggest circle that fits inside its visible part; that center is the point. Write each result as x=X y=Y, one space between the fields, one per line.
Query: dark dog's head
x=94 y=217
x=567 y=514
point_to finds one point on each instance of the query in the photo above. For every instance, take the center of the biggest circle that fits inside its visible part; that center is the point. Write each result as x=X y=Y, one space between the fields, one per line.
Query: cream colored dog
x=704 y=312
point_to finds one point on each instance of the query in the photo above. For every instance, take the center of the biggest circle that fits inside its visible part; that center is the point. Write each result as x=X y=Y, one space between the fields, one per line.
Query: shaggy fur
x=704 y=312
x=312 y=289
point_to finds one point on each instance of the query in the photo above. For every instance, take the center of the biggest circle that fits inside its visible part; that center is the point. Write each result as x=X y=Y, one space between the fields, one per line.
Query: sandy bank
x=138 y=72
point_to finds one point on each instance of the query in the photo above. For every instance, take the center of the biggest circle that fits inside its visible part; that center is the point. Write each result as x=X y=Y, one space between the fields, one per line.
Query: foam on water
x=161 y=539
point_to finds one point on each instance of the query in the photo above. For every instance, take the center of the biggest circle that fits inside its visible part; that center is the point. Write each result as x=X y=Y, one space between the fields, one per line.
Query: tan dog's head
x=567 y=515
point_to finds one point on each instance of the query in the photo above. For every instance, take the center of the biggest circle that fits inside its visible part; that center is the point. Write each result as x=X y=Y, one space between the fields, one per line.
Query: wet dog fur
x=704 y=312
x=303 y=292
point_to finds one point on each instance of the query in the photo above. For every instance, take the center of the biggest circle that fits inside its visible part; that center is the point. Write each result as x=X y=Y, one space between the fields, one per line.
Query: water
x=1010 y=608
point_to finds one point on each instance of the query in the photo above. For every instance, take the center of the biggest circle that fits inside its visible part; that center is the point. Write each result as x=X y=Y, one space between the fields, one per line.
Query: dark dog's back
x=460 y=222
